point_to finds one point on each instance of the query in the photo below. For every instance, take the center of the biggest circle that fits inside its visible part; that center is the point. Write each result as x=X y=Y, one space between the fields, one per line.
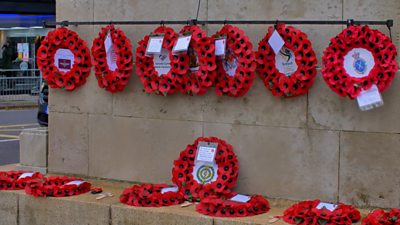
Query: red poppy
x=146 y=71
x=379 y=45
x=62 y=38
x=17 y=180
x=306 y=212
x=184 y=165
x=222 y=206
x=239 y=57
x=57 y=187
x=298 y=56
x=150 y=195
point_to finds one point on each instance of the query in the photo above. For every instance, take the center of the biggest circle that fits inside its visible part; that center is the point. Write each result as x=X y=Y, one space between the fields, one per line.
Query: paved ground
x=11 y=124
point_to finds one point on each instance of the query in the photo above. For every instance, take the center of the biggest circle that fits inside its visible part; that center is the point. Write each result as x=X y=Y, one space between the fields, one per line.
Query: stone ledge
x=17 y=208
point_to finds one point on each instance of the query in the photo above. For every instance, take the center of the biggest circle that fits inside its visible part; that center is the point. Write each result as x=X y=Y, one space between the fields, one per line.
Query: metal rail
x=388 y=23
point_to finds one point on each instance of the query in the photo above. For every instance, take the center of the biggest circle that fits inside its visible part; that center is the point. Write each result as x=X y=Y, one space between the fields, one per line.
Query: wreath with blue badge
x=358 y=58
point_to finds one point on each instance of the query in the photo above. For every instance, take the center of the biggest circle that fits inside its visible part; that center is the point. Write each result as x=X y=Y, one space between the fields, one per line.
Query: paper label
x=329 y=206
x=64 y=59
x=169 y=189
x=369 y=99
x=230 y=62
x=111 y=56
x=358 y=62
x=240 y=198
x=220 y=46
x=162 y=63
x=276 y=42
x=182 y=44
x=285 y=61
x=154 y=46
x=75 y=182
x=25 y=175
x=204 y=172
x=206 y=151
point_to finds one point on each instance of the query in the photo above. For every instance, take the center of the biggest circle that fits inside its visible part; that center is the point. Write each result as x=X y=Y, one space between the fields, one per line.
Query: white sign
x=64 y=59
x=370 y=98
x=26 y=175
x=329 y=206
x=230 y=62
x=220 y=46
x=204 y=172
x=154 y=46
x=358 y=62
x=240 y=198
x=276 y=42
x=162 y=62
x=111 y=56
x=206 y=154
x=182 y=44
x=285 y=61
x=169 y=189
x=75 y=182
x=25 y=52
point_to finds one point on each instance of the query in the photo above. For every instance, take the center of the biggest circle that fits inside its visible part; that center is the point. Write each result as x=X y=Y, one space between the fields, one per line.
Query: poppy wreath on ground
x=150 y=195
x=223 y=207
x=380 y=217
x=362 y=47
x=75 y=71
x=236 y=71
x=291 y=72
x=153 y=82
x=226 y=174
x=202 y=66
x=57 y=186
x=307 y=213
x=12 y=180
x=112 y=80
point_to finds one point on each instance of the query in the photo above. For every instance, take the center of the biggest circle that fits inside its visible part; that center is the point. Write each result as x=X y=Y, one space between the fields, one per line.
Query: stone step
x=17 y=208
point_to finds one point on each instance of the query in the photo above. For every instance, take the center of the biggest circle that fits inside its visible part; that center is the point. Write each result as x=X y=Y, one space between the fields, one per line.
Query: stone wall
x=313 y=146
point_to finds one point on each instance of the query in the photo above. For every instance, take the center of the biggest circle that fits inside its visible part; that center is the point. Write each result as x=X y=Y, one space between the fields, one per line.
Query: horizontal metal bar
x=16 y=70
x=388 y=23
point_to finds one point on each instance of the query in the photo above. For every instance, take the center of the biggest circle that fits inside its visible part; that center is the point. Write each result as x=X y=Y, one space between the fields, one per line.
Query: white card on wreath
x=369 y=99
x=240 y=198
x=276 y=42
x=329 y=206
x=206 y=151
x=154 y=45
x=220 y=46
x=111 y=56
x=75 y=182
x=25 y=175
x=182 y=44
x=169 y=189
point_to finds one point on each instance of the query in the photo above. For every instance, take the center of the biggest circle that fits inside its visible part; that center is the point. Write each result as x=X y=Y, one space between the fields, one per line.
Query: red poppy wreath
x=57 y=187
x=151 y=195
x=17 y=180
x=380 y=217
x=196 y=180
x=291 y=72
x=235 y=72
x=112 y=66
x=64 y=59
x=358 y=58
x=201 y=72
x=160 y=80
x=308 y=213
x=224 y=207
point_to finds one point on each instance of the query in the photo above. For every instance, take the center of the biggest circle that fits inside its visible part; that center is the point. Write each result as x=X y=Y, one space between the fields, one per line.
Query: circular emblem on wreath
x=360 y=65
x=205 y=173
